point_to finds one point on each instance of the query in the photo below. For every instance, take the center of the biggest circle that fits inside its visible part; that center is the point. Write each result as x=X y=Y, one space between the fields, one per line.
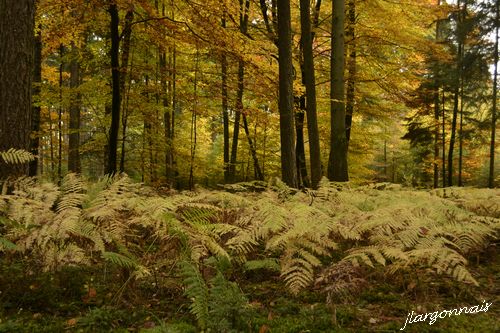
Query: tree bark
x=74 y=114
x=37 y=81
x=127 y=36
x=310 y=83
x=455 y=104
x=436 y=113
x=253 y=150
x=287 y=137
x=115 y=101
x=225 y=112
x=351 y=69
x=491 y=174
x=337 y=164
x=59 y=116
x=16 y=72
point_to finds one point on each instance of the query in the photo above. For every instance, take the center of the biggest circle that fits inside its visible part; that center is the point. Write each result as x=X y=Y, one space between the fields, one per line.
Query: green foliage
x=218 y=305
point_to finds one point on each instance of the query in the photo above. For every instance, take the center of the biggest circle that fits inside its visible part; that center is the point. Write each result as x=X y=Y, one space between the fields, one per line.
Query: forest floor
x=97 y=299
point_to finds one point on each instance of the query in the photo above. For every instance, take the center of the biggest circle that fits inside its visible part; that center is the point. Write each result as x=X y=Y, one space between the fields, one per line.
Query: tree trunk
x=253 y=150
x=443 y=130
x=16 y=71
x=194 y=134
x=225 y=113
x=300 y=152
x=491 y=174
x=127 y=36
x=455 y=104
x=37 y=81
x=237 y=117
x=436 y=113
x=351 y=69
x=460 y=132
x=115 y=101
x=337 y=164
x=310 y=83
x=288 y=167
x=59 y=116
x=74 y=114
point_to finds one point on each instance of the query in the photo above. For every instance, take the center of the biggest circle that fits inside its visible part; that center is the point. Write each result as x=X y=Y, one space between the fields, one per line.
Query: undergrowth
x=205 y=243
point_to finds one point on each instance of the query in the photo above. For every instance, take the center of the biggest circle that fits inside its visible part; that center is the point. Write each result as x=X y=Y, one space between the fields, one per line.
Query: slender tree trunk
x=460 y=132
x=74 y=114
x=491 y=174
x=253 y=150
x=225 y=112
x=351 y=69
x=337 y=164
x=244 y=8
x=51 y=141
x=436 y=137
x=59 y=116
x=310 y=83
x=127 y=36
x=194 y=133
x=443 y=129
x=237 y=117
x=436 y=114
x=300 y=152
x=455 y=103
x=115 y=102
x=288 y=167
x=16 y=71
x=37 y=81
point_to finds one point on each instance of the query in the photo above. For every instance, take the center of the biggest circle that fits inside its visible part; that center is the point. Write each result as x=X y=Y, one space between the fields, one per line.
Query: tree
x=74 y=114
x=288 y=166
x=491 y=174
x=337 y=163
x=115 y=104
x=310 y=83
x=16 y=72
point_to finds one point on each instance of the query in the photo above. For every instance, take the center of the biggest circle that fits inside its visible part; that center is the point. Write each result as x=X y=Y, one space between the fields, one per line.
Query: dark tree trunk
x=225 y=113
x=443 y=133
x=115 y=101
x=237 y=117
x=351 y=69
x=436 y=136
x=436 y=113
x=253 y=150
x=300 y=152
x=59 y=115
x=37 y=81
x=74 y=114
x=310 y=83
x=491 y=174
x=244 y=8
x=16 y=71
x=127 y=36
x=460 y=132
x=337 y=163
x=288 y=167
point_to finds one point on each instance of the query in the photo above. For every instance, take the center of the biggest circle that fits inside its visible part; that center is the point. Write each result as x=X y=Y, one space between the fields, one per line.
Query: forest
x=249 y=166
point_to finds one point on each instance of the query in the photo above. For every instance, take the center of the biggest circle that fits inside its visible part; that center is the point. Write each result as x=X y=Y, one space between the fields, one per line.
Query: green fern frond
x=197 y=290
x=119 y=260
x=7 y=245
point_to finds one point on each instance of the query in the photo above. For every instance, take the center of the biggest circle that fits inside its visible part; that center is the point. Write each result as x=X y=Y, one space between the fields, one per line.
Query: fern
x=197 y=290
x=16 y=156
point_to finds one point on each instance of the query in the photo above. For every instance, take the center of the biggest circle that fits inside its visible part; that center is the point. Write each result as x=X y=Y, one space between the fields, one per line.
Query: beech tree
x=337 y=163
x=288 y=166
x=16 y=72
